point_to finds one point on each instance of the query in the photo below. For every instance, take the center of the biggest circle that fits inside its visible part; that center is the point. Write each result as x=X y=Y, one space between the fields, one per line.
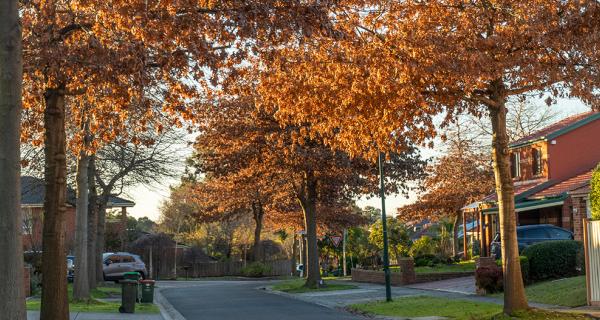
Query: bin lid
x=128 y=281
x=132 y=273
x=147 y=281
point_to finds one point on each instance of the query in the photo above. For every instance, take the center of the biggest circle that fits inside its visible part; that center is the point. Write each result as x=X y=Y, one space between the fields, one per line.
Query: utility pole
x=344 y=251
x=386 y=259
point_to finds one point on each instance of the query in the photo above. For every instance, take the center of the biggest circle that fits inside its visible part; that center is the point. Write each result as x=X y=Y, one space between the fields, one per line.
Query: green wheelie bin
x=147 y=291
x=128 y=296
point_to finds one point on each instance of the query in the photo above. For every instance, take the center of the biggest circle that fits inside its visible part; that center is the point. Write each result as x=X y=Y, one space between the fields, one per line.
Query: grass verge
x=568 y=292
x=424 y=306
x=297 y=286
x=95 y=305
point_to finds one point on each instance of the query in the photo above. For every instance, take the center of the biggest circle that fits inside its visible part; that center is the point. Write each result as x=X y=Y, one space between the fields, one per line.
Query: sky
x=149 y=198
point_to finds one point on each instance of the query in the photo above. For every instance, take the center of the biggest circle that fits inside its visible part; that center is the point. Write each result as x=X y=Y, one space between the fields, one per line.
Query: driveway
x=241 y=300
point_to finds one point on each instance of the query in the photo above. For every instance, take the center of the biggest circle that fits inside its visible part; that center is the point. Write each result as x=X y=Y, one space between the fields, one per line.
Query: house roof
x=570 y=184
x=559 y=128
x=33 y=191
x=519 y=189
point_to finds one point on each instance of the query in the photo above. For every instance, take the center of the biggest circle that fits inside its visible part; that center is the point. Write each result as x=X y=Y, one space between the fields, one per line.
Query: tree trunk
x=294 y=253
x=514 y=291
x=100 y=240
x=258 y=213
x=92 y=222
x=309 y=208
x=81 y=288
x=12 y=303
x=455 y=234
x=54 y=260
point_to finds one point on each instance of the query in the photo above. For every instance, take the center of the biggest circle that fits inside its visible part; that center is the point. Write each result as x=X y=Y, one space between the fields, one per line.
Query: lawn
x=568 y=292
x=462 y=266
x=424 y=306
x=95 y=305
x=297 y=286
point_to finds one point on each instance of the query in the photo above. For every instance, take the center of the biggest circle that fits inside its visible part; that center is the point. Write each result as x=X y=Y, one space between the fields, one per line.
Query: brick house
x=32 y=206
x=551 y=172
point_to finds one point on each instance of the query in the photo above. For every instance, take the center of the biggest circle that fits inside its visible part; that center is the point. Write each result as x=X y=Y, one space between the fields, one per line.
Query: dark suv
x=528 y=235
x=116 y=264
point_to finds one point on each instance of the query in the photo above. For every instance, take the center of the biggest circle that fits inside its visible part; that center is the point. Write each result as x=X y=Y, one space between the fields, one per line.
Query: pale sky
x=148 y=199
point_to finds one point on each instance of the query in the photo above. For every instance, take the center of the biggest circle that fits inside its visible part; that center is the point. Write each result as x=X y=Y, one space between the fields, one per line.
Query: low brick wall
x=376 y=276
x=429 y=277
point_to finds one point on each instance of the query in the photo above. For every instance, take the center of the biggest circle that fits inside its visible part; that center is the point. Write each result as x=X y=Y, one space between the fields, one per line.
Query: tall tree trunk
x=81 y=287
x=100 y=240
x=294 y=253
x=258 y=213
x=92 y=222
x=309 y=207
x=514 y=291
x=54 y=260
x=12 y=303
x=455 y=234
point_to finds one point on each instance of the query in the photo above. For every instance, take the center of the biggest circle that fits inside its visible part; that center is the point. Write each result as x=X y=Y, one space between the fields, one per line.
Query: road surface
x=237 y=300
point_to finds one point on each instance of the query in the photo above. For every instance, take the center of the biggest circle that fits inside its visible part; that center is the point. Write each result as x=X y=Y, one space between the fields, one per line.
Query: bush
x=427 y=260
x=554 y=259
x=489 y=279
x=595 y=193
x=256 y=269
x=423 y=246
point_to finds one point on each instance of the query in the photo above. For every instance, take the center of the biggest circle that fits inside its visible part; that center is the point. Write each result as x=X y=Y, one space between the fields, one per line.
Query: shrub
x=427 y=260
x=489 y=279
x=524 y=268
x=423 y=246
x=595 y=193
x=256 y=269
x=554 y=259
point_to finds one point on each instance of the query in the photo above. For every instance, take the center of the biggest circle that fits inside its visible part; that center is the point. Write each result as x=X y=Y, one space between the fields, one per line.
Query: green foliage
x=256 y=269
x=423 y=246
x=554 y=259
x=398 y=237
x=595 y=193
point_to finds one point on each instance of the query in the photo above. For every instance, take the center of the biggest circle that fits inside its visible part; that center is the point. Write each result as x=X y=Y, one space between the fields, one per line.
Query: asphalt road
x=239 y=300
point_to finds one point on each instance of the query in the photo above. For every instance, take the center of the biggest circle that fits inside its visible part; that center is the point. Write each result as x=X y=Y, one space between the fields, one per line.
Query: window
x=558 y=234
x=128 y=259
x=515 y=164
x=113 y=259
x=536 y=233
x=536 y=161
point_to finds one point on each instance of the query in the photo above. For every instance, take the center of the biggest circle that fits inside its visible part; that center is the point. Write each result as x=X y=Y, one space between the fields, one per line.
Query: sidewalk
x=35 y=315
x=371 y=292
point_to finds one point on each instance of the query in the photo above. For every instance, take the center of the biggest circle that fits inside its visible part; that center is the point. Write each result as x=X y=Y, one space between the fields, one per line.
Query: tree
x=124 y=164
x=399 y=238
x=12 y=305
x=454 y=180
x=322 y=181
x=392 y=66
x=595 y=193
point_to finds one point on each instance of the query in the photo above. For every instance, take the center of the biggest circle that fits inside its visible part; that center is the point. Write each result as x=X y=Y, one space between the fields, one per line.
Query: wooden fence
x=591 y=242
x=234 y=268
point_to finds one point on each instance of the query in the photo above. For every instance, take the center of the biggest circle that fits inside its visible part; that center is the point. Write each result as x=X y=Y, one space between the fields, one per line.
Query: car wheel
x=142 y=275
x=104 y=276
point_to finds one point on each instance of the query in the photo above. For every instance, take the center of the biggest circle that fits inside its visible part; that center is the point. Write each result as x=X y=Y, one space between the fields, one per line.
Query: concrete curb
x=167 y=311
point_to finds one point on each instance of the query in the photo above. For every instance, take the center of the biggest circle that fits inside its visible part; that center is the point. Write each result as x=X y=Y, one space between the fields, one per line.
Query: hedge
x=554 y=259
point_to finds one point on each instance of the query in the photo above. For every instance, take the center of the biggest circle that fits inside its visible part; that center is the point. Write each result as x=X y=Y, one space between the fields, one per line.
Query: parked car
x=528 y=235
x=116 y=264
x=70 y=268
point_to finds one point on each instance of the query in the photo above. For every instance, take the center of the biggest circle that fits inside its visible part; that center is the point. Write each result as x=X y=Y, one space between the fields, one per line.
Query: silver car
x=116 y=264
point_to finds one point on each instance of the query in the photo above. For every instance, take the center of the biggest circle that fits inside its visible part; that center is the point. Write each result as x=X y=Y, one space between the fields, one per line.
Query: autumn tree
x=11 y=267
x=457 y=178
x=392 y=66
x=323 y=182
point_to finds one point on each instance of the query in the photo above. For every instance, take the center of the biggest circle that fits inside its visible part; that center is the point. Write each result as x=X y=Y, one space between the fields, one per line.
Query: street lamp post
x=386 y=259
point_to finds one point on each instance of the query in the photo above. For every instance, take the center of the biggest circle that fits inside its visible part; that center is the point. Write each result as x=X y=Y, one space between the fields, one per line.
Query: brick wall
x=579 y=212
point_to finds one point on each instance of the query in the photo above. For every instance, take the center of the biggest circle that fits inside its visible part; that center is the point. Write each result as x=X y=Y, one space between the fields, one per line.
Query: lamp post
x=386 y=259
